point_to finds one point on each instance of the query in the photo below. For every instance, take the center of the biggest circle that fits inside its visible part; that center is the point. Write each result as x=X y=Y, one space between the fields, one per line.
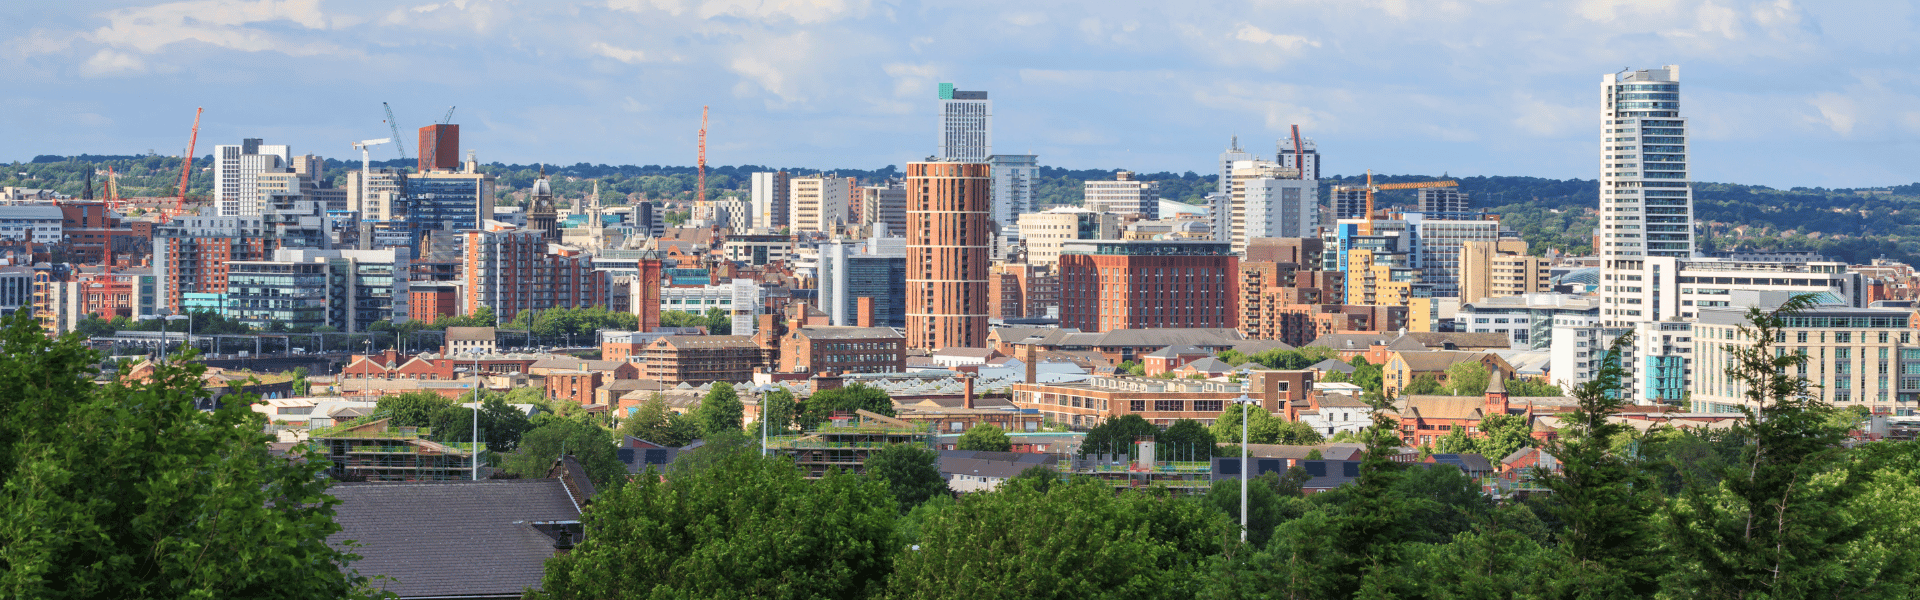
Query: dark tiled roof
x=991 y=464
x=850 y=333
x=458 y=538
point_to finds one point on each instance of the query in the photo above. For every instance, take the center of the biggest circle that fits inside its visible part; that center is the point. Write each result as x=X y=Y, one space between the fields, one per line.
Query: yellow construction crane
x=1366 y=227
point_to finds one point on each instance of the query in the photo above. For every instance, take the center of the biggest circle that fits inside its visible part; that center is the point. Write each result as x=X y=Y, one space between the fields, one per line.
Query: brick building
x=1162 y=401
x=698 y=359
x=1147 y=284
x=512 y=271
x=843 y=350
x=1022 y=291
x=577 y=387
x=949 y=240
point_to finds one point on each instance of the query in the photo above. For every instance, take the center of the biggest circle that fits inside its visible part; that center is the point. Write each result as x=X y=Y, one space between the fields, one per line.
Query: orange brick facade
x=948 y=247
x=1148 y=284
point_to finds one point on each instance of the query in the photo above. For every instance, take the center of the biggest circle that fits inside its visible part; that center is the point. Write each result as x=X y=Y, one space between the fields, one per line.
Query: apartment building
x=1162 y=401
x=843 y=350
x=699 y=359
x=1861 y=357
x=512 y=271
x=1144 y=284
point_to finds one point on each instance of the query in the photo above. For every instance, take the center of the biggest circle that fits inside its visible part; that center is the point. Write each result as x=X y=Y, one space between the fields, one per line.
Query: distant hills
x=1855 y=225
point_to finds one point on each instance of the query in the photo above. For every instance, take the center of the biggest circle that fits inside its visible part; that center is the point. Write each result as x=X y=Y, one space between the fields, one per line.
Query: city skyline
x=1460 y=89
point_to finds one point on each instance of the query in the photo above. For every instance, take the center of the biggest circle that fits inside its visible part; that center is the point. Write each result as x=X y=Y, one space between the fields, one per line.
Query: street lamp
x=763 y=390
x=1245 y=457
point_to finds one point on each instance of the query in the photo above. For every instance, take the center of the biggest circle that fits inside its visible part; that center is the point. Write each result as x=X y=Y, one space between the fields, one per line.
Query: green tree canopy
x=1263 y=429
x=1116 y=435
x=987 y=437
x=819 y=407
x=912 y=473
x=720 y=410
x=500 y=425
x=590 y=444
x=777 y=408
x=654 y=422
x=410 y=409
x=1467 y=378
x=745 y=526
x=126 y=490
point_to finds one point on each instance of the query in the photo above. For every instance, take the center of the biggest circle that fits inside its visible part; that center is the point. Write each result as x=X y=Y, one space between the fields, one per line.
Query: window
x=1169 y=405
x=1138 y=406
x=957 y=427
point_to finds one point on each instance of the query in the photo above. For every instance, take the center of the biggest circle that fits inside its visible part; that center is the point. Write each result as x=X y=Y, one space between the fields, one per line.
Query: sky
x=1780 y=93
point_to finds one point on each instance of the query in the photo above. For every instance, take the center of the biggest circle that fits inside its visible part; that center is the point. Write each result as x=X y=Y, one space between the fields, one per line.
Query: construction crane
x=366 y=164
x=391 y=124
x=447 y=120
x=1299 y=156
x=702 y=198
x=1366 y=227
x=186 y=168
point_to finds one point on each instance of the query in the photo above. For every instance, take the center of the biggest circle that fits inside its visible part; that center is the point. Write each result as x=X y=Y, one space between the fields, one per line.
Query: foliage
x=588 y=443
x=1131 y=368
x=126 y=490
x=1468 y=378
x=986 y=437
x=1069 y=544
x=1279 y=358
x=816 y=409
x=572 y=323
x=1502 y=435
x=410 y=409
x=299 y=384
x=1777 y=525
x=654 y=422
x=912 y=473
x=1270 y=502
x=746 y=526
x=777 y=408
x=1424 y=384
x=1531 y=388
x=501 y=425
x=1116 y=435
x=720 y=410
x=1185 y=439
x=717 y=321
x=1264 y=428
x=481 y=317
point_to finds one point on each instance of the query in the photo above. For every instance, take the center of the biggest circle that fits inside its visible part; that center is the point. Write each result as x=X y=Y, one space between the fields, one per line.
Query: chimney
x=866 y=312
x=1027 y=358
x=967 y=399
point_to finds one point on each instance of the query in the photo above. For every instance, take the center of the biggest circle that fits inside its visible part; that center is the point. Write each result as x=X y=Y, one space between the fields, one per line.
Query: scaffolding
x=847 y=441
x=376 y=452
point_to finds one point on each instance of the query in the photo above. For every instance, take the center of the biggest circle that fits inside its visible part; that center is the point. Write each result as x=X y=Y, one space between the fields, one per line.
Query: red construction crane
x=186 y=168
x=1299 y=156
x=703 y=157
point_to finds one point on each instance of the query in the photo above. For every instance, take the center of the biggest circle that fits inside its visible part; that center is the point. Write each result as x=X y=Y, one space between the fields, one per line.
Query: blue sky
x=1782 y=93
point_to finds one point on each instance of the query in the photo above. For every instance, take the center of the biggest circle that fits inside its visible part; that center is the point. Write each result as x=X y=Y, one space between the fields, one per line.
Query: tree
x=720 y=410
x=1776 y=526
x=1131 y=368
x=985 y=437
x=299 y=384
x=590 y=444
x=778 y=408
x=653 y=422
x=411 y=409
x=1263 y=429
x=1023 y=542
x=1185 y=439
x=501 y=426
x=746 y=526
x=1467 y=378
x=1269 y=502
x=1532 y=388
x=821 y=405
x=912 y=473
x=1116 y=435
x=1424 y=384
x=126 y=490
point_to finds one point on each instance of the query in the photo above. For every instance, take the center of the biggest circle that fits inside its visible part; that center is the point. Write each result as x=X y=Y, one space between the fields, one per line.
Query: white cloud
x=223 y=23
x=108 y=62
x=804 y=12
x=1289 y=43
x=620 y=54
x=1543 y=118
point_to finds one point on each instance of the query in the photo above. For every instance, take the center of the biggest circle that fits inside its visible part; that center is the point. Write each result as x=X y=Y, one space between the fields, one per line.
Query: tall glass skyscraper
x=1646 y=207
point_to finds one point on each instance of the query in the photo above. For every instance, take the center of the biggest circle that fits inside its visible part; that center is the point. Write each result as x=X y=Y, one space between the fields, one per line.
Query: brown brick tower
x=948 y=246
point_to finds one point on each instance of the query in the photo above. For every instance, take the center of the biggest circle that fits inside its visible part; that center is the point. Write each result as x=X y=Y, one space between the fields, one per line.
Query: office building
x=966 y=126
x=348 y=290
x=235 y=171
x=1492 y=269
x=949 y=232
x=439 y=147
x=1023 y=291
x=1861 y=357
x=843 y=350
x=863 y=273
x=1349 y=202
x=771 y=199
x=1233 y=154
x=1274 y=207
x=884 y=205
x=448 y=200
x=381 y=198
x=820 y=203
x=1527 y=320
x=1044 y=232
x=1442 y=200
x=193 y=254
x=1014 y=176
x=700 y=359
x=1148 y=284
x=37 y=223
x=1124 y=195
x=1436 y=243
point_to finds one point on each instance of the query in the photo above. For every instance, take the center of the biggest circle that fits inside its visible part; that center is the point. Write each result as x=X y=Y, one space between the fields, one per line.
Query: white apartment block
x=1527 y=320
x=966 y=125
x=770 y=200
x=1663 y=287
x=1124 y=195
x=235 y=175
x=820 y=203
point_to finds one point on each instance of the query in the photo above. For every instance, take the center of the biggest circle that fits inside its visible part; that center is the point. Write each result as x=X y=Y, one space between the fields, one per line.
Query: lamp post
x=476 y=416
x=1245 y=455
